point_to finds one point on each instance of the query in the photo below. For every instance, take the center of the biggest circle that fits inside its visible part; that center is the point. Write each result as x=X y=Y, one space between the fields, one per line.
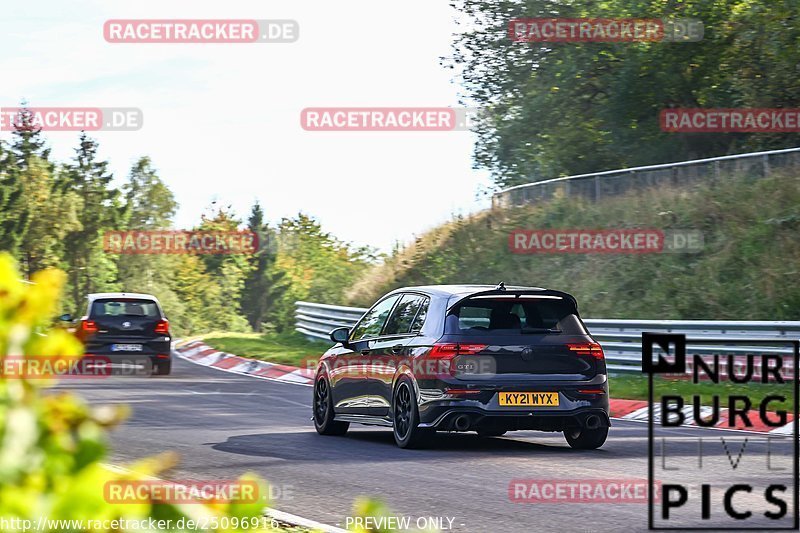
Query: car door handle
x=397 y=349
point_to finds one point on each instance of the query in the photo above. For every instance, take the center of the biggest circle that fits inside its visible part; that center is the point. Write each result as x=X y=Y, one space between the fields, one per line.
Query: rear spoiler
x=517 y=292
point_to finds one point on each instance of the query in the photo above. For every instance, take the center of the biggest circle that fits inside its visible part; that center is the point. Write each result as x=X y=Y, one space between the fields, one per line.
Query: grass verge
x=635 y=388
x=286 y=348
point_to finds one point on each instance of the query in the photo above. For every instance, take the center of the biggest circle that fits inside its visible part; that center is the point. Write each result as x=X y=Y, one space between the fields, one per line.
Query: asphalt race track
x=224 y=424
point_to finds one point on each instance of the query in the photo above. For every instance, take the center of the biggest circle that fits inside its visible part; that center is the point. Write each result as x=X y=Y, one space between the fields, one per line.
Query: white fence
x=608 y=183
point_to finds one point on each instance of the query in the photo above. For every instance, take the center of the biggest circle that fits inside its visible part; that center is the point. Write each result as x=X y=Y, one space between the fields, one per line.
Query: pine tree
x=12 y=222
x=263 y=285
x=101 y=209
x=27 y=139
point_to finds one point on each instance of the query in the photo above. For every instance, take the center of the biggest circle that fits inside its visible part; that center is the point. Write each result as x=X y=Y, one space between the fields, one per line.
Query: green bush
x=52 y=445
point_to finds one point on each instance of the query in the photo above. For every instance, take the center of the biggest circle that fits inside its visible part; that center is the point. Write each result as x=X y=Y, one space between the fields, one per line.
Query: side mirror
x=340 y=335
x=66 y=317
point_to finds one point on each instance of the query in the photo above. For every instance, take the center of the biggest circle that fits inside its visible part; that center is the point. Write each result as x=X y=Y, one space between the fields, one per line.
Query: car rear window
x=515 y=316
x=124 y=307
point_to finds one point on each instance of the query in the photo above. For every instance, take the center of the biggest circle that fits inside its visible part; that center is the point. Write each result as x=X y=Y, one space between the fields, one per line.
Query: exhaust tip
x=592 y=422
x=461 y=423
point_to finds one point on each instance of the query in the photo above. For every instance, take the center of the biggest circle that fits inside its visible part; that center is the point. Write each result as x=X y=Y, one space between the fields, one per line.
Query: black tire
x=323 y=409
x=405 y=417
x=491 y=433
x=586 y=439
x=162 y=368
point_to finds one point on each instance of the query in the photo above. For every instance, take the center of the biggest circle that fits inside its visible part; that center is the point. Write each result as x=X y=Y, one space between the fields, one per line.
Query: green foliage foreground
x=52 y=445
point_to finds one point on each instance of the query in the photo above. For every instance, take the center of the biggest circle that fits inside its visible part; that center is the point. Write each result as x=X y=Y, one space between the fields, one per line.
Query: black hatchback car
x=466 y=358
x=127 y=331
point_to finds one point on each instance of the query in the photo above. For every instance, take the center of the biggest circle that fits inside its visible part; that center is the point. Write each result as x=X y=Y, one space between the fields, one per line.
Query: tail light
x=448 y=350
x=589 y=349
x=88 y=327
x=162 y=327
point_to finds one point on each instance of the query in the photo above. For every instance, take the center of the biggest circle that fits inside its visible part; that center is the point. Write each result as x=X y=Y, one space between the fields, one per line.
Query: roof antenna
x=500 y=286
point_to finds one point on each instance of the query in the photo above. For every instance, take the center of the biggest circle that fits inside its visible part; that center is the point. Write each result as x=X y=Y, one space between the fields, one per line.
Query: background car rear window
x=124 y=308
x=372 y=322
x=405 y=315
x=515 y=316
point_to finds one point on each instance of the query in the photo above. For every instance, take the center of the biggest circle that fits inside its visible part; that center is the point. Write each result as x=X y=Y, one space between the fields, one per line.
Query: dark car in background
x=466 y=358
x=127 y=331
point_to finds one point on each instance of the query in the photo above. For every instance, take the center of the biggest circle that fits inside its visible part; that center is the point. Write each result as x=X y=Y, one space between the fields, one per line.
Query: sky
x=222 y=121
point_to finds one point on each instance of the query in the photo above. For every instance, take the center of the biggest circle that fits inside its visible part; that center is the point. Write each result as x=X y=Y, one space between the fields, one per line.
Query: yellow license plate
x=529 y=399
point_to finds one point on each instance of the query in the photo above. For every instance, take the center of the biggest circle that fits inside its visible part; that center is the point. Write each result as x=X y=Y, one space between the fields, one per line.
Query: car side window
x=404 y=315
x=419 y=320
x=372 y=322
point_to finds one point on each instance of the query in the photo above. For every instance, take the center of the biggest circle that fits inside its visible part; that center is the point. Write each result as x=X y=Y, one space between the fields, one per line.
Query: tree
x=27 y=138
x=13 y=220
x=150 y=205
x=100 y=209
x=264 y=284
x=52 y=212
x=569 y=108
x=27 y=145
x=317 y=266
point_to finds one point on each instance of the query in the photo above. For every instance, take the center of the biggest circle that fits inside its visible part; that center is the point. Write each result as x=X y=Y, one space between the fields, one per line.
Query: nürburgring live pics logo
x=751 y=482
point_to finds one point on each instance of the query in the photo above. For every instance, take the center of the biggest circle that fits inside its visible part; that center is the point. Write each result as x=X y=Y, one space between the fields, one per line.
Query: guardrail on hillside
x=608 y=183
x=621 y=339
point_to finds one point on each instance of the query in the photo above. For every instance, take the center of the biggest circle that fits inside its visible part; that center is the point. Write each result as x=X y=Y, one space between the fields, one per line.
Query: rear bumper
x=151 y=348
x=126 y=362
x=467 y=419
x=575 y=410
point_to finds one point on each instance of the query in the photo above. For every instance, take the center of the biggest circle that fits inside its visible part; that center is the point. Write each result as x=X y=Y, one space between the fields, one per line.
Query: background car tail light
x=88 y=326
x=162 y=327
x=590 y=349
x=450 y=350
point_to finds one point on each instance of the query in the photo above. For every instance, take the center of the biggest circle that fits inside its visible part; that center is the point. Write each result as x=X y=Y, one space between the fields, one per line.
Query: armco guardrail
x=608 y=183
x=317 y=320
x=621 y=339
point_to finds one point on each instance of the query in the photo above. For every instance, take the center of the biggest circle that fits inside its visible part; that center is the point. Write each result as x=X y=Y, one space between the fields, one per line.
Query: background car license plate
x=529 y=399
x=126 y=347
